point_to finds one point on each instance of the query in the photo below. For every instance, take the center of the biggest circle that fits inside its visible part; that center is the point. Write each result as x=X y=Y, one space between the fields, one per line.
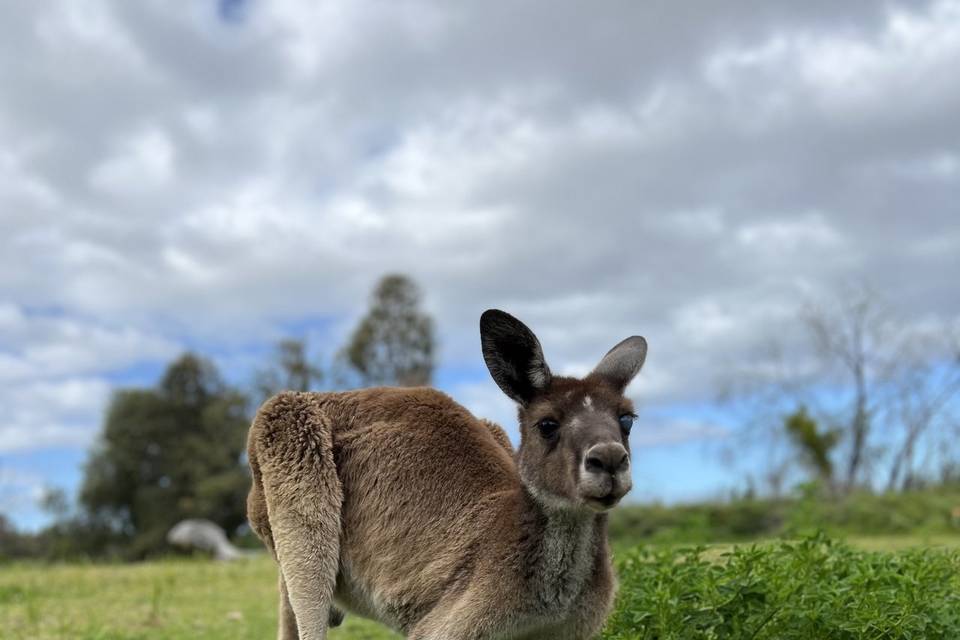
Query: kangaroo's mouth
x=603 y=503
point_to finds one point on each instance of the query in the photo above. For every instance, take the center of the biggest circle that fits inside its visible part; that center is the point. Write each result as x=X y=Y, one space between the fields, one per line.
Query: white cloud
x=38 y=346
x=53 y=369
x=19 y=490
x=64 y=413
x=849 y=73
x=169 y=178
x=935 y=166
x=87 y=29
x=856 y=74
x=20 y=189
x=143 y=162
x=316 y=36
x=327 y=180
x=808 y=234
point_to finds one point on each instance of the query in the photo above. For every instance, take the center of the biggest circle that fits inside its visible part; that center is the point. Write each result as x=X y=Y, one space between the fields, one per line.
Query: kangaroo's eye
x=548 y=427
x=626 y=422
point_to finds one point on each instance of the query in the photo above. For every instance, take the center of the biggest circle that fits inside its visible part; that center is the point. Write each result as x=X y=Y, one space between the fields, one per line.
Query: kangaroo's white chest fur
x=566 y=563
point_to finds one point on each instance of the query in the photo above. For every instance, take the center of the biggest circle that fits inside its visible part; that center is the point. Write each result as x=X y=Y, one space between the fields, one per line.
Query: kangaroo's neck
x=560 y=550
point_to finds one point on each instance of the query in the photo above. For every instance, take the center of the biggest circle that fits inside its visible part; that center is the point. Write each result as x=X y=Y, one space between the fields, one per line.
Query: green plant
x=813 y=588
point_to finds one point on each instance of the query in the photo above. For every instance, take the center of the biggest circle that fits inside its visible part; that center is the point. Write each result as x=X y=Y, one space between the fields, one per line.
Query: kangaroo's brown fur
x=399 y=505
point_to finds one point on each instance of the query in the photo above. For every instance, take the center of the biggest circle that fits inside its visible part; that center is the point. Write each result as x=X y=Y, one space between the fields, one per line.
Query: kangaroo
x=398 y=505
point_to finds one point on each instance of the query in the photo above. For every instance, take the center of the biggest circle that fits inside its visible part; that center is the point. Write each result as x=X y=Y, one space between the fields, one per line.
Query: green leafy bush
x=694 y=523
x=812 y=589
x=878 y=514
x=860 y=513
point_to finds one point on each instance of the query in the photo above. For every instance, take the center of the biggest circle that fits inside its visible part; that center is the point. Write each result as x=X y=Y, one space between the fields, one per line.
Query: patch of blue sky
x=28 y=473
x=448 y=378
x=140 y=374
x=708 y=412
x=307 y=326
x=680 y=472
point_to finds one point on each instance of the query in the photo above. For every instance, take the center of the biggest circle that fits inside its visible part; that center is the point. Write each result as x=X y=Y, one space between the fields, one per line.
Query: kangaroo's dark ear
x=622 y=363
x=513 y=355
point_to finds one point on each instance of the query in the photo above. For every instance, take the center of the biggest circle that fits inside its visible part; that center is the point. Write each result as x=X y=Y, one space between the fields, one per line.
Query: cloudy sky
x=216 y=175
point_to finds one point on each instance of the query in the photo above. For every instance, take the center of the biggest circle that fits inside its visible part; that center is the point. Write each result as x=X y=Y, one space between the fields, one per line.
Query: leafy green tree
x=169 y=453
x=13 y=543
x=393 y=344
x=291 y=370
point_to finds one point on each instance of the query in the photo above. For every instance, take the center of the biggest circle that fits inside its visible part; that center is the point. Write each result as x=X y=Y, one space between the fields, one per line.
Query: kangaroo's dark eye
x=626 y=422
x=548 y=427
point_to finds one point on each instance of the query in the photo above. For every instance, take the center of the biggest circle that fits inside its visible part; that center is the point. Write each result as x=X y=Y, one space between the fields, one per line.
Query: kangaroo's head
x=574 y=445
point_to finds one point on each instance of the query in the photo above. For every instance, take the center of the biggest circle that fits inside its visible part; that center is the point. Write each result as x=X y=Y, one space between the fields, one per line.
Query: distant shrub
x=814 y=588
x=860 y=513
x=739 y=520
x=879 y=514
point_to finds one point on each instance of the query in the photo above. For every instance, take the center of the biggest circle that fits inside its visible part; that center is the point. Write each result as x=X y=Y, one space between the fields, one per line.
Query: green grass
x=170 y=599
x=666 y=592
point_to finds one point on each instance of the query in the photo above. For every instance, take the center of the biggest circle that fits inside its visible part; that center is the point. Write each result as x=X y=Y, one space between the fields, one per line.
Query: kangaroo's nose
x=610 y=457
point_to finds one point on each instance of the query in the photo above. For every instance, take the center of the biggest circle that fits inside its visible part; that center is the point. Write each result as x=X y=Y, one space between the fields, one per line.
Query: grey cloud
x=651 y=168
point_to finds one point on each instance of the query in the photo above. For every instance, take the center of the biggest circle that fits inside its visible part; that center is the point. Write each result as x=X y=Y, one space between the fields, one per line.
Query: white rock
x=203 y=535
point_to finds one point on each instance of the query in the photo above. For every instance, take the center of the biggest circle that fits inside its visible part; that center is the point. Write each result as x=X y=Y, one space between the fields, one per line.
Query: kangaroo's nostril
x=594 y=464
x=624 y=461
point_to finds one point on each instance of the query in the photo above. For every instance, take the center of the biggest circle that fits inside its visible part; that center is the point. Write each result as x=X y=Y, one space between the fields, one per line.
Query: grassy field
x=180 y=599
x=170 y=599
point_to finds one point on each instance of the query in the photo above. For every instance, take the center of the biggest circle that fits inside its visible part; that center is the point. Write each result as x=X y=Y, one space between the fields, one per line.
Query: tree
x=14 y=544
x=169 y=453
x=883 y=384
x=902 y=379
x=393 y=344
x=815 y=446
x=54 y=502
x=850 y=337
x=291 y=370
x=923 y=398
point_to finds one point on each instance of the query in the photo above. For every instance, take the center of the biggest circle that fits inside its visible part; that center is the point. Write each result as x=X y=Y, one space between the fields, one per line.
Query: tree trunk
x=861 y=425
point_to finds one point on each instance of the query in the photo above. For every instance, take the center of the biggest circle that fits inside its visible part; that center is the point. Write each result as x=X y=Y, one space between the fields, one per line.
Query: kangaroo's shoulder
x=433 y=415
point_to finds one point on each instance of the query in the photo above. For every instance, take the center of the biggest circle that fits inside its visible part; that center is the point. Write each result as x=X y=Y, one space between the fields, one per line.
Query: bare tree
x=773 y=382
x=923 y=397
x=880 y=385
x=853 y=338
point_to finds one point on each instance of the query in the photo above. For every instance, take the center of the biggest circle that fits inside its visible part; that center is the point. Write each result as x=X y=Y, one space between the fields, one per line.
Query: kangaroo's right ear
x=513 y=356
